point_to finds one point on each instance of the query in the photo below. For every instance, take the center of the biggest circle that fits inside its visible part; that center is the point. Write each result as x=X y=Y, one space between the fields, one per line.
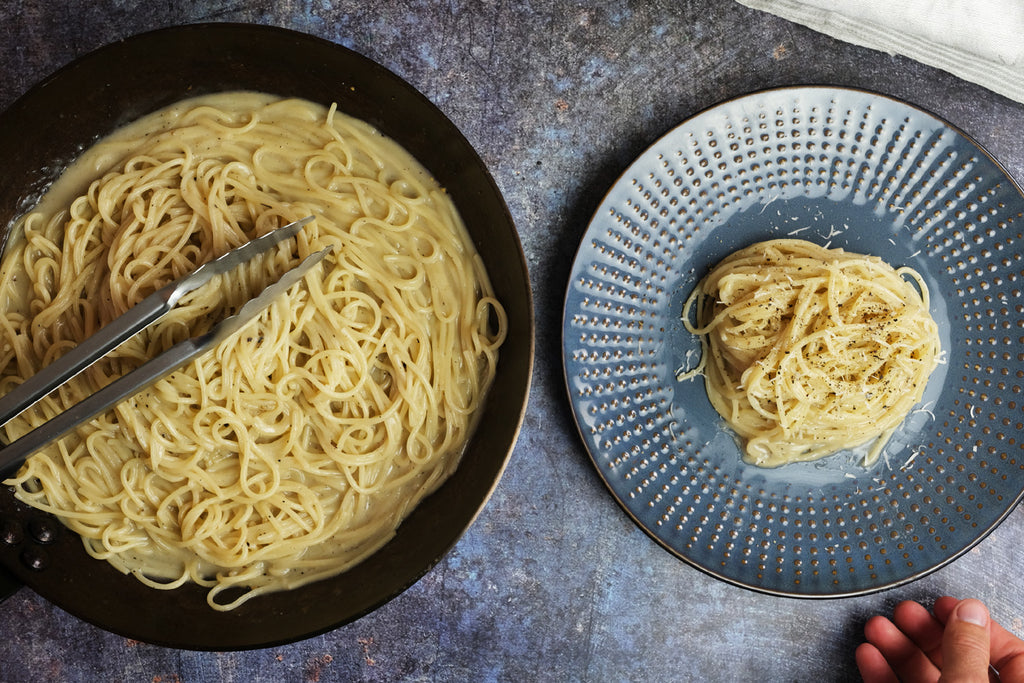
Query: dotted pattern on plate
x=840 y=167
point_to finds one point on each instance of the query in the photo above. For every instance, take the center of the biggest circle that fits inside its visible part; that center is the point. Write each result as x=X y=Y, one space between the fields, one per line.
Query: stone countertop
x=553 y=582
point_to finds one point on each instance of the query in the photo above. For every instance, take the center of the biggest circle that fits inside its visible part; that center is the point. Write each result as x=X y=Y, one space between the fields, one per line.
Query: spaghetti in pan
x=294 y=449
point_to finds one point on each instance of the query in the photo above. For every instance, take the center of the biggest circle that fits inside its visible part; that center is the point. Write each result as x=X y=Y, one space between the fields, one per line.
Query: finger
x=918 y=624
x=943 y=607
x=872 y=665
x=1011 y=669
x=965 y=644
x=1006 y=651
x=905 y=658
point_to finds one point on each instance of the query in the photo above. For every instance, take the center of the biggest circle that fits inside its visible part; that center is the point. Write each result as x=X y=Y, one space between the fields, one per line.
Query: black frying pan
x=61 y=116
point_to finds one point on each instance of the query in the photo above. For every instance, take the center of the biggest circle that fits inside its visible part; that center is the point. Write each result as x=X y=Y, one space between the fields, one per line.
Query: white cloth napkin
x=978 y=40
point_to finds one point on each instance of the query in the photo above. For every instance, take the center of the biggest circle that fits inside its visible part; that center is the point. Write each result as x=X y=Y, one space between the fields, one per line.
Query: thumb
x=965 y=644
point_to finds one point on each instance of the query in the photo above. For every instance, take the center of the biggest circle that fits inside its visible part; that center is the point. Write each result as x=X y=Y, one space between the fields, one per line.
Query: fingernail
x=973 y=612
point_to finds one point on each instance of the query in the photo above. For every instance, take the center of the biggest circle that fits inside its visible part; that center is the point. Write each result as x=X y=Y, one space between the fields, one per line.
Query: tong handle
x=150 y=372
x=124 y=387
x=144 y=313
x=76 y=360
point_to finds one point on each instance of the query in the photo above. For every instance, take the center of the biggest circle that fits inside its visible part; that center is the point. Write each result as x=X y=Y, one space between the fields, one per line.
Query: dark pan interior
x=62 y=115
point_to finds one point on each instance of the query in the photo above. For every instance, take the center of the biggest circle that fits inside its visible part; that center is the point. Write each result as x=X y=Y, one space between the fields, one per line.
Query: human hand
x=958 y=642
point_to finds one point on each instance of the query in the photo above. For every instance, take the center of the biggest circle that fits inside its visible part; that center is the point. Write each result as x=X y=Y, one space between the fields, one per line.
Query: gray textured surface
x=553 y=582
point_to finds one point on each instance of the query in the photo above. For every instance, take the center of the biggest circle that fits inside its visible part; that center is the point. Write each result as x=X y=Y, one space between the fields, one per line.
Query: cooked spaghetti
x=294 y=449
x=808 y=351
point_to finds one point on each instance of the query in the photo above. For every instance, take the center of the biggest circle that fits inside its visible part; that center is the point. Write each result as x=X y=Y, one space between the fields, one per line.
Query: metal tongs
x=132 y=321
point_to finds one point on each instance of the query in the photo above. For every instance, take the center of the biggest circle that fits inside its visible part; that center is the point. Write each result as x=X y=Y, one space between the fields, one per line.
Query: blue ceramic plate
x=846 y=168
